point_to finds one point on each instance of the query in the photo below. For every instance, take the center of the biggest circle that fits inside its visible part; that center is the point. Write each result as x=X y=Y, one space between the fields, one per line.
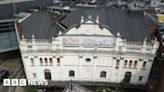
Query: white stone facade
x=84 y=54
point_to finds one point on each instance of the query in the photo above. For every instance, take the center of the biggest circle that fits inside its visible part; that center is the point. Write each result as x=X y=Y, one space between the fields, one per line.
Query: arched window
x=135 y=64
x=103 y=74
x=117 y=62
x=41 y=61
x=71 y=73
x=125 y=63
x=58 y=61
x=130 y=63
x=144 y=64
x=127 y=77
x=32 y=61
x=50 y=60
x=47 y=74
x=46 y=61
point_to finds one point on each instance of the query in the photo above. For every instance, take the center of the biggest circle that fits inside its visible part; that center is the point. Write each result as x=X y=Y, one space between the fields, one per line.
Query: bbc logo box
x=23 y=82
x=14 y=82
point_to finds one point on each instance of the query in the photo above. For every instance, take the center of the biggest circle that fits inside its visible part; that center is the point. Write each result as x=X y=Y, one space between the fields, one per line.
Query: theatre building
x=90 y=50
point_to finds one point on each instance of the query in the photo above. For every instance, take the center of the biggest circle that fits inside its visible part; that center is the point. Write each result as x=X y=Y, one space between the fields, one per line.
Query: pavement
x=11 y=61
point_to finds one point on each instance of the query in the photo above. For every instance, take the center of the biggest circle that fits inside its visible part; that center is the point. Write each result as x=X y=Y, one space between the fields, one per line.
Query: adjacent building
x=96 y=45
x=8 y=38
x=157 y=3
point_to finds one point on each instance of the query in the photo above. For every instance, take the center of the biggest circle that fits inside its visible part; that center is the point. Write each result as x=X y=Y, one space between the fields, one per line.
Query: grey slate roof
x=42 y=24
x=133 y=26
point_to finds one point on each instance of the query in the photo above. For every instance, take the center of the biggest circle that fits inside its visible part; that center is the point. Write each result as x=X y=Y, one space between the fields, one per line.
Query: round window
x=88 y=60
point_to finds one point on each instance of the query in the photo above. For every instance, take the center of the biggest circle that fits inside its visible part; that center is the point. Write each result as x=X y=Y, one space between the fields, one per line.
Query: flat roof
x=12 y=1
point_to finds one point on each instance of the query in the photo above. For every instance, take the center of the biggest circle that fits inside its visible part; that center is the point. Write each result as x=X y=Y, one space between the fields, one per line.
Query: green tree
x=30 y=89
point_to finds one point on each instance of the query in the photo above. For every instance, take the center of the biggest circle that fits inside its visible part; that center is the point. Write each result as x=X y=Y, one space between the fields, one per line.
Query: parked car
x=3 y=74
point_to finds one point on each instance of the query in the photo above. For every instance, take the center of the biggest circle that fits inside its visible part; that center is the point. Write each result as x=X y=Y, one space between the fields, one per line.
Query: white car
x=66 y=7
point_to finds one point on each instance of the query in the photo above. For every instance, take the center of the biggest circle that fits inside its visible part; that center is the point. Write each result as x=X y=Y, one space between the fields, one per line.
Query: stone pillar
x=82 y=19
x=23 y=40
x=155 y=46
x=53 y=43
x=144 y=46
x=33 y=38
x=119 y=43
x=33 y=42
x=22 y=43
x=97 y=19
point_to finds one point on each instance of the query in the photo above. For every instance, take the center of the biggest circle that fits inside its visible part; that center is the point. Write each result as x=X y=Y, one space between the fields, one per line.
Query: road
x=11 y=61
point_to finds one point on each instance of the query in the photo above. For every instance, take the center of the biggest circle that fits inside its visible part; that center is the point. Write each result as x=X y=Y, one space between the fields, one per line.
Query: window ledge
x=143 y=69
x=130 y=67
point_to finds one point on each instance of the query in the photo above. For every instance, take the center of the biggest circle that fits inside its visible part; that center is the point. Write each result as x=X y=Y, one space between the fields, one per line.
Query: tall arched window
x=103 y=74
x=47 y=74
x=41 y=61
x=125 y=63
x=144 y=64
x=127 y=77
x=46 y=61
x=50 y=60
x=71 y=73
x=117 y=64
x=130 y=63
x=58 y=61
x=135 y=64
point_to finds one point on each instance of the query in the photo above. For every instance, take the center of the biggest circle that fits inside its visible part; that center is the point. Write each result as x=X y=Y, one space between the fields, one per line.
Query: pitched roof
x=89 y=27
x=132 y=25
x=42 y=24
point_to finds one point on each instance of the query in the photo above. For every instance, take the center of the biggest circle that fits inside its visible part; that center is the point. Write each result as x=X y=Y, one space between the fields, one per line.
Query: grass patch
x=30 y=89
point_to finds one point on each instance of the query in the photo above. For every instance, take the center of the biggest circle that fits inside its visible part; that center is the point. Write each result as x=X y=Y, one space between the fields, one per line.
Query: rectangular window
x=117 y=67
x=34 y=75
x=29 y=46
x=32 y=61
x=140 y=78
x=25 y=57
x=117 y=64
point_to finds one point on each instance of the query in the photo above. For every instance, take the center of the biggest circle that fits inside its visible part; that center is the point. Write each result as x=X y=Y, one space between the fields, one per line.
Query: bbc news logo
x=23 y=82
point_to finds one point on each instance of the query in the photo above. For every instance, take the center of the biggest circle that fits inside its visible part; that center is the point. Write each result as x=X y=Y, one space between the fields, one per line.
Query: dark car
x=3 y=74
